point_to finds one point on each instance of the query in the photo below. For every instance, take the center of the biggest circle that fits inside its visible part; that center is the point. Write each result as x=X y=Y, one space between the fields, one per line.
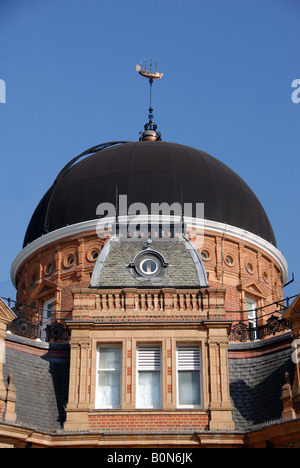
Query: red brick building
x=163 y=330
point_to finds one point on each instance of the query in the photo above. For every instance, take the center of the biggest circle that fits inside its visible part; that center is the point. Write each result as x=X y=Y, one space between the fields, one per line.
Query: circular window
x=149 y=266
x=94 y=254
x=250 y=268
x=49 y=268
x=205 y=254
x=70 y=260
x=229 y=260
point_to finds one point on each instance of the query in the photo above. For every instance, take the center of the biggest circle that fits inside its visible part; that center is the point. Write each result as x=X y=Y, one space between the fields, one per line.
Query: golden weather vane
x=150 y=132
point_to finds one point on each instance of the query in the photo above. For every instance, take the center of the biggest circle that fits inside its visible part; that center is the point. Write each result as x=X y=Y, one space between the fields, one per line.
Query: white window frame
x=252 y=317
x=98 y=405
x=45 y=319
x=191 y=364
x=149 y=364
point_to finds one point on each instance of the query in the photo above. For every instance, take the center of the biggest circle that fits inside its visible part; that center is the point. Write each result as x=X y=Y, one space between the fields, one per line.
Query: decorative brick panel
x=148 y=422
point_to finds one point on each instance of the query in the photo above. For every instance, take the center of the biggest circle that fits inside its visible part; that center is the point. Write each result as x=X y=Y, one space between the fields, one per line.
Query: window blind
x=188 y=358
x=149 y=358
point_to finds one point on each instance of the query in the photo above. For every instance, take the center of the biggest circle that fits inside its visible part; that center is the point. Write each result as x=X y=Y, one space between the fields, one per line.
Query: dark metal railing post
x=38 y=331
x=256 y=337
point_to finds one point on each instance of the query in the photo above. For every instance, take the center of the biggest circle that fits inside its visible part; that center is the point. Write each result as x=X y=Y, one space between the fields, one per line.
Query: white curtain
x=148 y=389
x=109 y=377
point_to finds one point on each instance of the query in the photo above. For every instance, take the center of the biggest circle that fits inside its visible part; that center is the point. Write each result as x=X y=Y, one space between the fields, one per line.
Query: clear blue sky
x=69 y=69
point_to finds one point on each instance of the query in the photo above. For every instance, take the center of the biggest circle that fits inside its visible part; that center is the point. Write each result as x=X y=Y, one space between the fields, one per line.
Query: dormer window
x=149 y=266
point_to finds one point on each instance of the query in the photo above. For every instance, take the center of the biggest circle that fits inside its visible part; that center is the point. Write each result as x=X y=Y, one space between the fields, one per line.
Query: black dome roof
x=149 y=172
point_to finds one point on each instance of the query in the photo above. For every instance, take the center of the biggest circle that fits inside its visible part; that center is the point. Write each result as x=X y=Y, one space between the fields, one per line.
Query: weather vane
x=150 y=133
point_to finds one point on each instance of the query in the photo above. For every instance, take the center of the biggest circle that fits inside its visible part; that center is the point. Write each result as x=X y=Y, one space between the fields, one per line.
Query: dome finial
x=150 y=133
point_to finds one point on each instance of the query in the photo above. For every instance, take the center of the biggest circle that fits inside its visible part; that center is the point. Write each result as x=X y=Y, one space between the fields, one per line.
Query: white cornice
x=207 y=225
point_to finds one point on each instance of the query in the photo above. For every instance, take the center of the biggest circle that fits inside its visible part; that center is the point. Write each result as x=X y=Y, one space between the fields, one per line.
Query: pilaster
x=220 y=406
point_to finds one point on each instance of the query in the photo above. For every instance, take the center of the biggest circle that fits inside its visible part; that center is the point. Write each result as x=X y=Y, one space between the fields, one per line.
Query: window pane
x=148 y=391
x=110 y=358
x=251 y=306
x=109 y=389
x=48 y=306
x=189 y=388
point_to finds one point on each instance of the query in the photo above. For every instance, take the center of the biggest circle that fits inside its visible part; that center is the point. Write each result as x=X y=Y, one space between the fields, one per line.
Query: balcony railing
x=242 y=331
x=30 y=322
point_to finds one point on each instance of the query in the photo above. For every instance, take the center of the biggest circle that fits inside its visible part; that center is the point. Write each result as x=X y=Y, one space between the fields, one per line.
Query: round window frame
x=205 y=254
x=49 y=268
x=249 y=267
x=91 y=254
x=231 y=262
x=149 y=259
x=143 y=256
x=69 y=260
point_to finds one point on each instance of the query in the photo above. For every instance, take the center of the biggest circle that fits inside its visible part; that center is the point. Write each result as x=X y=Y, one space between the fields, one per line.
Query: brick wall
x=148 y=422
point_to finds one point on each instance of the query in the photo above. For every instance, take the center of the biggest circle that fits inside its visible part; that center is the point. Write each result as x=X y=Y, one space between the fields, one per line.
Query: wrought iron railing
x=29 y=322
x=243 y=331
x=264 y=325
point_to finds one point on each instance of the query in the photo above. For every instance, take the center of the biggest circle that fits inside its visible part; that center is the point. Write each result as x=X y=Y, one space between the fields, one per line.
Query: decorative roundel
x=69 y=260
x=49 y=268
x=229 y=260
x=250 y=268
x=266 y=276
x=148 y=264
x=93 y=254
x=205 y=254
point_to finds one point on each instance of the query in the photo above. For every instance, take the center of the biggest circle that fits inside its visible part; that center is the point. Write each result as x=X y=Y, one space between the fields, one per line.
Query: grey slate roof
x=256 y=385
x=42 y=388
x=185 y=268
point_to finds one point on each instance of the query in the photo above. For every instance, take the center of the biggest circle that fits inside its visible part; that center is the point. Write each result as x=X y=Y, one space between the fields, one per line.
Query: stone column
x=79 y=396
x=220 y=406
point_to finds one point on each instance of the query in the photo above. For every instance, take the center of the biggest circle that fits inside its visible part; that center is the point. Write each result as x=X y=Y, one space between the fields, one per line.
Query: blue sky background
x=69 y=69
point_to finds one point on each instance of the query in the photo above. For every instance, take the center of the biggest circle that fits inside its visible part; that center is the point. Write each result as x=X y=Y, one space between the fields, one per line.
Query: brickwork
x=205 y=327
x=57 y=269
x=148 y=422
x=161 y=316
x=63 y=265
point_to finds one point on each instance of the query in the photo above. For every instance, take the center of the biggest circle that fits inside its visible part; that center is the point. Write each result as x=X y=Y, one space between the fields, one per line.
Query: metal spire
x=150 y=133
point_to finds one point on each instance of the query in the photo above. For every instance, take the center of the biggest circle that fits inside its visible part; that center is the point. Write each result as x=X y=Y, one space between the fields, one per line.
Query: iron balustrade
x=29 y=323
